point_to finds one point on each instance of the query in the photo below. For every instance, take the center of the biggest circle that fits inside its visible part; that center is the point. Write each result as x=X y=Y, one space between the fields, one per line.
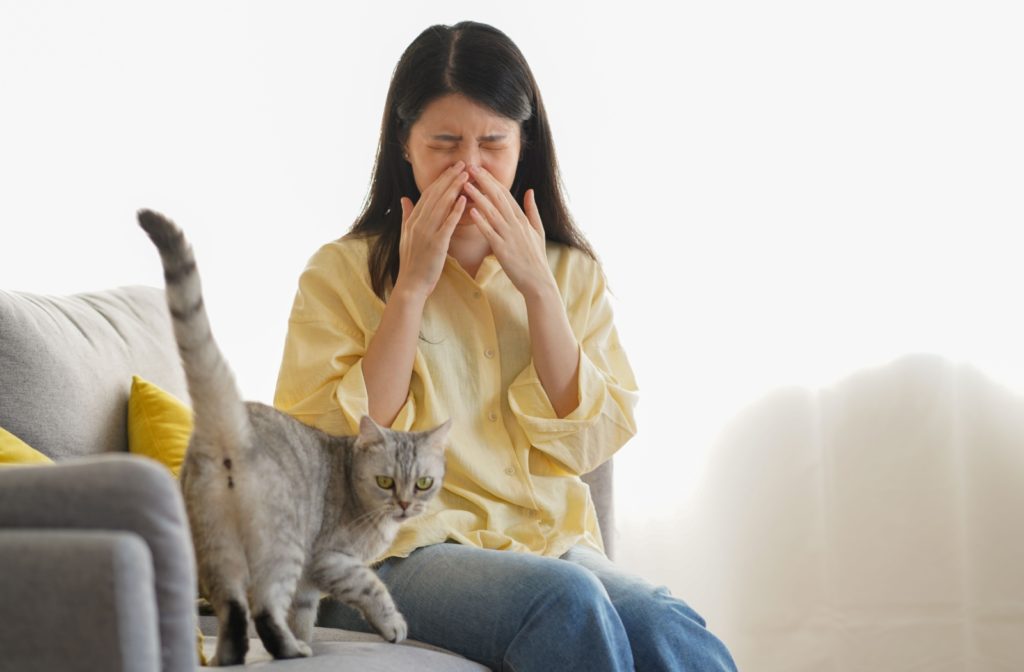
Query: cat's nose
x=404 y=505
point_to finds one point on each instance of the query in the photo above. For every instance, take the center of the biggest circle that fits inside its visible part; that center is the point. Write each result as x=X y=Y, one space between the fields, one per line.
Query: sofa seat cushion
x=337 y=650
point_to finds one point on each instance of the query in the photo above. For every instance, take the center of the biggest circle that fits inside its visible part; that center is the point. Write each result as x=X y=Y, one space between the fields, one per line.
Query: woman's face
x=454 y=128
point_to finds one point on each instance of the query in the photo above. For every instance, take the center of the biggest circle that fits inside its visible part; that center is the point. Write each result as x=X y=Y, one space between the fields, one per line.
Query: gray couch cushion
x=117 y=493
x=359 y=656
x=601 y=485
x=66 y=365
x=340 y=650
x=46 y=575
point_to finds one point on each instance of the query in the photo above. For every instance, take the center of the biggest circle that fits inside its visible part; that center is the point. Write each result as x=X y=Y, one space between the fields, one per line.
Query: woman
x=450 y=299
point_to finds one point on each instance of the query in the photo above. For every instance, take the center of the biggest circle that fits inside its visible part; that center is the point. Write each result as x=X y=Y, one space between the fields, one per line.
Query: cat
x=280 y=511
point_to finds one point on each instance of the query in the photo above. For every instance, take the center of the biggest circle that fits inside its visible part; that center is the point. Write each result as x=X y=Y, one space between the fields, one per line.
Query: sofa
x=96 y=564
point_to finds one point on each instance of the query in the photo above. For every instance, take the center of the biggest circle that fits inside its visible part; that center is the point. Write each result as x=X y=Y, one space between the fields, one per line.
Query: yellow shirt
x=513 y=466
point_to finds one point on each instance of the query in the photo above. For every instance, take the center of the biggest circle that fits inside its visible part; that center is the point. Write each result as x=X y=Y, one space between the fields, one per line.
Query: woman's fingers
x=449 y=224
x=486 y=207
x=533 y=212
x=485 y=227
x=406 y=210
x=437 y=199
x=451 y=195
x=499 y=195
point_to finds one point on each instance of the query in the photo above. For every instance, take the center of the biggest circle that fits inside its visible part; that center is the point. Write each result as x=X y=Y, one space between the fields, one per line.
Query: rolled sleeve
x=604 y=419
x=351 y=397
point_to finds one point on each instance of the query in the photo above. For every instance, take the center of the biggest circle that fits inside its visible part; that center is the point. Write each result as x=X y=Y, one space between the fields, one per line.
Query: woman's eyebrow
x=448 y=137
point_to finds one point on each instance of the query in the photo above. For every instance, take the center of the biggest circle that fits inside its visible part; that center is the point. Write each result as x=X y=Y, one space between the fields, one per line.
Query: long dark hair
x=483 y=64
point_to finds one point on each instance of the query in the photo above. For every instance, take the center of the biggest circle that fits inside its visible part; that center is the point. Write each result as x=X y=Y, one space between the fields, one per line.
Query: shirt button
x=476 y=294
x=492 y=416
x=489 y=353
x=511 y=471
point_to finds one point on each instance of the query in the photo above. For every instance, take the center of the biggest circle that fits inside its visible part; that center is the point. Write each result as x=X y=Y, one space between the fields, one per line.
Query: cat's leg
x=224 y=575
x=302 y=617
x=355 y=584
x=232 y=613
x=275 y=580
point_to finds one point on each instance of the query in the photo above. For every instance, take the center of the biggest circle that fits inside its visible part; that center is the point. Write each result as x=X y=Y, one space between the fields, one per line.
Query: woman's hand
x=516 y=237
x=427 y=230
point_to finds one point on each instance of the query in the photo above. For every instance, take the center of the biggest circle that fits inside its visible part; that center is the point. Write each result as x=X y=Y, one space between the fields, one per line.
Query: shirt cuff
x=532 y=407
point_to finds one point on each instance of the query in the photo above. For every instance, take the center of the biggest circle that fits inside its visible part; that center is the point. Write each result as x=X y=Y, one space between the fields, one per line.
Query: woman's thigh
x=503 y=609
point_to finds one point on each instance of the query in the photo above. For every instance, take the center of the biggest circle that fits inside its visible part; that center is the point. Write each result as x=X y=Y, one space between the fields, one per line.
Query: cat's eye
x=386 y=482
x=424 y=483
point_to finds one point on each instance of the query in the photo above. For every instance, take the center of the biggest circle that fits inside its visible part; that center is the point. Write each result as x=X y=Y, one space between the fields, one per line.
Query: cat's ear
x=370 y=432
x=437 y=438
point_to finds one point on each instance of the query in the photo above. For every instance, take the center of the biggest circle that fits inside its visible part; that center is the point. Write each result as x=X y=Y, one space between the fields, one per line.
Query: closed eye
x=452 y=148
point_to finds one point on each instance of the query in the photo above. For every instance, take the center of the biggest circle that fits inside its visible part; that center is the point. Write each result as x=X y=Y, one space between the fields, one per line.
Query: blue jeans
x=519 y=612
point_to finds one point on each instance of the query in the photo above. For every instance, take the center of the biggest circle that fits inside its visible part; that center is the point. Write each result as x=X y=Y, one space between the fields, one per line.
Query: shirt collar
x=489 y=267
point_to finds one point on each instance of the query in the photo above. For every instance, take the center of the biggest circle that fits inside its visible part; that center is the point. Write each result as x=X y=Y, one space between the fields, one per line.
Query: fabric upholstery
x=45 y=579
x=117 y=492
x=373 y=656
x=67 y=362
x=336 y=650
x=601 y=489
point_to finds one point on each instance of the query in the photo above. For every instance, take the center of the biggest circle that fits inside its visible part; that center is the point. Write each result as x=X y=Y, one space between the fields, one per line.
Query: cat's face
x=398 y=473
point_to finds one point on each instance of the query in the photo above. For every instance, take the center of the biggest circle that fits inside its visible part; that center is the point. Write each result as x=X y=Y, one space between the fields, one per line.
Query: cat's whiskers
x=368 y=519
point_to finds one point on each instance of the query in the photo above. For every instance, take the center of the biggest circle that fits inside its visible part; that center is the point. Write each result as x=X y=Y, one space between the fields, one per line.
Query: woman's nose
x=470 y=155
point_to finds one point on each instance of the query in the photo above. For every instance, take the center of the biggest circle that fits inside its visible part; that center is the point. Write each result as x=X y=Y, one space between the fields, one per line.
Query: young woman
x=465 y=291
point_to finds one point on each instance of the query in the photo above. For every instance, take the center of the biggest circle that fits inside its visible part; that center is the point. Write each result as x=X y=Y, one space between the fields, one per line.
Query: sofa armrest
x=77 y=600
x=117 y=493
x=601 y=482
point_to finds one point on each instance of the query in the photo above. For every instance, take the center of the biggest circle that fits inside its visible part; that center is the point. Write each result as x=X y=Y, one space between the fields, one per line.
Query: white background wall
x=781 y=192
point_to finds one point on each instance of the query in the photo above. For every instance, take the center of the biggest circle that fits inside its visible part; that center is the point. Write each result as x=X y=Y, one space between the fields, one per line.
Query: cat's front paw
x=392 y=627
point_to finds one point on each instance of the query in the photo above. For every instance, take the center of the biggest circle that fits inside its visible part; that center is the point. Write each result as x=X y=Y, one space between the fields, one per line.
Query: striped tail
x=221 y=421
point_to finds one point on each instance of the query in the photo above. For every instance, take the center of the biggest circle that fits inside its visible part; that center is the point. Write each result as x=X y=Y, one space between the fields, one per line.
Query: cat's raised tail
x=219 y=412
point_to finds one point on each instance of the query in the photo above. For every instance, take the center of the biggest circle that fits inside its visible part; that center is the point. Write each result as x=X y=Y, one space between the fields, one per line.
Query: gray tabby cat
x=280 y=511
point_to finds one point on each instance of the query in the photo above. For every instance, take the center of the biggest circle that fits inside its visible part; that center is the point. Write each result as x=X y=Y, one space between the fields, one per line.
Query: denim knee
x=665 y=633
x=572 y=613
x=575 y=590
x=650 y=604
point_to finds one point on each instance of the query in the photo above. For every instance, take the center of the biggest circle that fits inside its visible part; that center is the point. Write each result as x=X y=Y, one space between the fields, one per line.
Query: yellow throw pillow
x=159 y=424
x=199 y=645
x=15 y=451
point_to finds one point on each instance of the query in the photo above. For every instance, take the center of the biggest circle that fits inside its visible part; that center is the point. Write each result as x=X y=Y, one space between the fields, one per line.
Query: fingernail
x=460 y=165
x=474 y=168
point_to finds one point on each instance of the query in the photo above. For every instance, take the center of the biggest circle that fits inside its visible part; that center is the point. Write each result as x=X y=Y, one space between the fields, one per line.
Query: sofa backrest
x=66 y=365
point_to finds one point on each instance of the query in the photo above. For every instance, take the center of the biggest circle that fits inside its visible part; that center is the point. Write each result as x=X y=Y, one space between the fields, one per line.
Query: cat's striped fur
x=280 y=511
